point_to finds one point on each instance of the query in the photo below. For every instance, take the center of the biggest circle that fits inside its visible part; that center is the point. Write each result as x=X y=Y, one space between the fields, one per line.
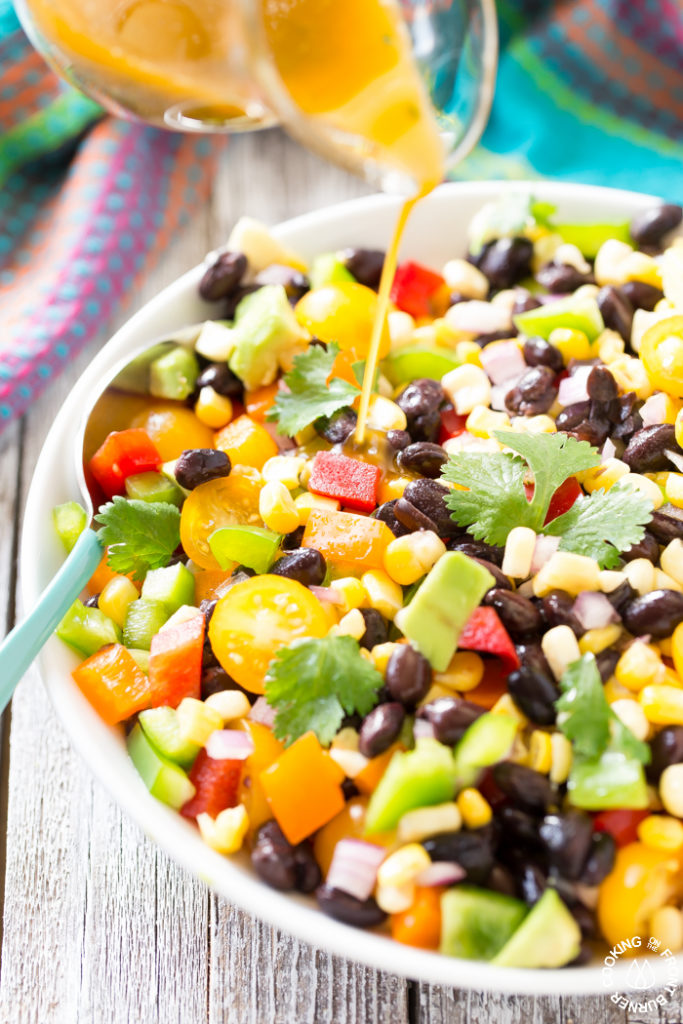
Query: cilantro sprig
x=140 y=535
x=313 y=683
x=311 y=392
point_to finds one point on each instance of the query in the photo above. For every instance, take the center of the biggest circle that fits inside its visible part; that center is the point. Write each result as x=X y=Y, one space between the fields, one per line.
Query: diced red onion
x=283 y=442
x=229 y=745
x=476 y=317
x=441 y=872
x=653 y=411
x=547 y=300
x=544 y=548
x=593 y=610
x=503 y=361
x=609 y=450
x=573 y=389
x=262 y=712
x=676 y=458
x=498 y=393
x=423 y=730
x=354 y=867
x=328 y=594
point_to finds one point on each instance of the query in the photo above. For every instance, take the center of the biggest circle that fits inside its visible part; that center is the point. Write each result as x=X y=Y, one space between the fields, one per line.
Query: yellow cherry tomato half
x=258 y=617
x=344 y=313
x=173 y=428
x=229 y=501
x=642 y=880
x=661 y=351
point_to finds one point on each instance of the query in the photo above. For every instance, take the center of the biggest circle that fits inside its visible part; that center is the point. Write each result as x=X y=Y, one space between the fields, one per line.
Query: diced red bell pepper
x=452 y=424
x=414 y=289
x=123 y=453
x=485 y=632
x=622 y=825
x=351 y=482
x=217 y=783
x=175 y=662
x=562 y=500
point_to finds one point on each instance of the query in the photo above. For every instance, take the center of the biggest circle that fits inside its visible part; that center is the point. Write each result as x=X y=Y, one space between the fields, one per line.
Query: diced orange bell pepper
x=208 y=582
x=368 y=778
x=258 y=402
x=347 y=539
x=342 y=367
x=246 y=442
x=420 y=924
x=175 y=662
x=303 y=788
x=103 y=574
x=114 y=684
x=266 y=751
x=348 y=824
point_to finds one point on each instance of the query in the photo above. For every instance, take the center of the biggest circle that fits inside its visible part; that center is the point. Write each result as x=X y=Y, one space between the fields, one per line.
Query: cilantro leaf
x=140 y=535
x=623 y=741
x=311 y=393
x=313 y=683
x=494 y=501
x=603 y=524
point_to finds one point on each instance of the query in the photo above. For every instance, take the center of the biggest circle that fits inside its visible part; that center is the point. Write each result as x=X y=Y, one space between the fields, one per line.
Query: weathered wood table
x=99 y=926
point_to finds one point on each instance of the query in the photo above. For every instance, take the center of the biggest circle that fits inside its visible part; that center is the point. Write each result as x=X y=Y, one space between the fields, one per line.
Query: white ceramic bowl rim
x=365 y=221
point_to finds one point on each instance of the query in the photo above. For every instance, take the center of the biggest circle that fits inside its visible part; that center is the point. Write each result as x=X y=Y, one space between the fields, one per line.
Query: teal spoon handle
x=21 y=646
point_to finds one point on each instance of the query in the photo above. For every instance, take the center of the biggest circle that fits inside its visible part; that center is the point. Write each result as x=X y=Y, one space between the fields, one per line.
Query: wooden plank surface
x=100 y=927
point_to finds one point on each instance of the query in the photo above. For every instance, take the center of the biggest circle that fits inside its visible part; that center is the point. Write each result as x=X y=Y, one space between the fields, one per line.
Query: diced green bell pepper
x=161 y=727
x=477 y=923
x=580 y=314
x=613 y=780
x=406 y=364
x=70 y=520
x=590 y=237
x=154 y=487
x=414 y=778
x=141 y=658
x=328 y=269
x=87 y=629
x=164 y=779
x=252 y=546
x=487 y=740
x=144 y=619
x=547 y=937
x=173 y=585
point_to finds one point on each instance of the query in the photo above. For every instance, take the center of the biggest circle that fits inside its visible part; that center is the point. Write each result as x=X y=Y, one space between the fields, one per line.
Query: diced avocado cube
x=161 y=727
x=406 y=364
x=487 y=740
x=87 y=629
x=70 y=521
x=252 y=546
x=610 y=781
x=590 y=237
x=164 y=779
x=174 y=374
x=328 y=269
x=154 y=487
x=580 y=314
x=437 y=614
x=547 y=937
x=144 y=619
x=477 y=923
x=172 y=585
x=414 y=778
x=267 y=336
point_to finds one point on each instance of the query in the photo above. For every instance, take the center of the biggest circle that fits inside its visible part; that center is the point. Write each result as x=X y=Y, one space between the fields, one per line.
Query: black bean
x=567 y=840
x=601 y=385
x=292 y=541
x=485 y=339
x=478 y=549
x=293 y=281
x=657 y=613
x=528 y=789
x=617 y=311
x=209 y=659
x=621 y=596
x=650 y=226
x=92 y=602
x=398 y=439
x=450 y=717
x=376 y=628
x=428 y=496
x=525 y=302
x=561 y=277
x=502 y=880
x=423 y=457
x=641 y=295
x=455 y=297
x=594 y=430
x=518 y=827
x=600 y=860
x=305 y=565
x=380 y=728
x=534 y=392
x=349 y=789
x=539 y=352
x=337 y=427
x=531 y=656
x=343 y=907
x=221 y=378
x=506 y=261
x=519 y=615
x=214 y=680
x=558 y=608
x=199 y=465
x=473 y=851
x=411 y=517
x=282 y=865
x=365 y=265
x=666 y=748
x=233 y=300
x=667 y=524
x=408 y=675
x=606 y=662
x=584 y=917
x=648 y=548
x=223 y=276
x=387 y=515
x=534 y=693
x=572 y=415
x=646 y=451
x=531 y=882
x=502 y=581
x=420 y=401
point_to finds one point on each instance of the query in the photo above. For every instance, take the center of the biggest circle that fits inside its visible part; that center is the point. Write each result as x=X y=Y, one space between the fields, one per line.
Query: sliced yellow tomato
x=661 y=351
x=173 y=428
x=642 y=880
x=344 y=313
x=228 y=501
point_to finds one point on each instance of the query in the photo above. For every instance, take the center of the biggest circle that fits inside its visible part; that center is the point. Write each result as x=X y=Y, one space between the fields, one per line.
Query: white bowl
x=435 y=233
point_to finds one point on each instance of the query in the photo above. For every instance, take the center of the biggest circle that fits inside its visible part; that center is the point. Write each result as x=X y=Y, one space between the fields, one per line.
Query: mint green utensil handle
x=21 y=646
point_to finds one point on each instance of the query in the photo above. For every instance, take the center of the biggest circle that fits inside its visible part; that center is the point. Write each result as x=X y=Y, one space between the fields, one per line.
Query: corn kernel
x=482 y=421
x=463 y=277
x=351 y=624
x=505 y=705
x=665 y=646
x=666 y=925
x=468 y=352
x=351 y=591
x=679 y=429
x=277 y=508
x=614 y=691
x=640 y=573
x=197 y=721
x=393 y=899
x=115 y=597
x=285 y=468
x=424 y=334
x=467 y=386
x=408 y=558
x=660 y=832
x=631 y=375
x=561 y=648
x=632 y=715
x=226 y=833
x=229 y=704
x=401 y=868
x=465 y=671
x=540 y=751
x=519 y=552
x=571 y=344
x=423 y=822
x=671 y=789
x=391 y=488
x=474 y=808
x=610 y=260
x=567 y=571
x=604 y=476
x=344 y=752
x=401 y=326
x=665 y=582
x=610 y=580
x=306 y=501
x=562 y=757
x=677 y=649
x=520 y=752
x=381 y=654
x=435 y=691
x=540 y=424
x=638 y=266
x=385 y=414
x=595 y=640
x=648 y=488
x=639 y=666
x=610 y=346
x=663 y=705
x=671 y=559
x=213 y=409
x=382 y=592
x=674 y=489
